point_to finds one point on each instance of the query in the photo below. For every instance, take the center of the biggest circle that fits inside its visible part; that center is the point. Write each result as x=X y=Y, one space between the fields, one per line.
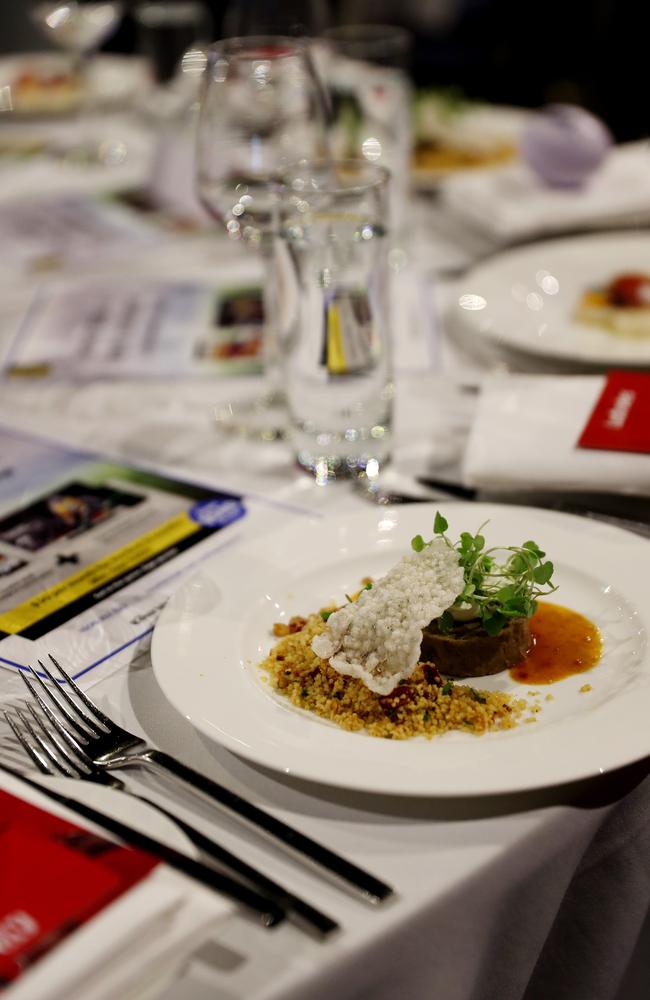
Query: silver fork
x=109 y=746
x=54 y=750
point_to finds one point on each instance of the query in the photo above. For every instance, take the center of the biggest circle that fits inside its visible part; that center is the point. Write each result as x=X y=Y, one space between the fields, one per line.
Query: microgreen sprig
x=495 y=589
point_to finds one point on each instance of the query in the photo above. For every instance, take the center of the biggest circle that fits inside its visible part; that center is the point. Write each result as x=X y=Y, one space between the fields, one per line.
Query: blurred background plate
x=44 y=84
x=525 y=300
x=453 y=136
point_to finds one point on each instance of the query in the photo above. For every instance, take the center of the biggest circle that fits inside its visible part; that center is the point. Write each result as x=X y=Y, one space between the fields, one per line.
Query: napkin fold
x=511 y=203
x=524 y=437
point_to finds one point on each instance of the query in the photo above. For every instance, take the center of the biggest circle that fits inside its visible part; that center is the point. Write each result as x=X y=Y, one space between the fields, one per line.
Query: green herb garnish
x=446 y=688
x=325 y=615
x=496 y=587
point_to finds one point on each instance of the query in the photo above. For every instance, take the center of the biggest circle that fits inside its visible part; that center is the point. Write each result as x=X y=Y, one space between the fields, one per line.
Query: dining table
x=523 y=894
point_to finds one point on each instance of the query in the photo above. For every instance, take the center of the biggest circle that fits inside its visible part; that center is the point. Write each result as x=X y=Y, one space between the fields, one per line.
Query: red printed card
x=53 y=877
x=620 y=420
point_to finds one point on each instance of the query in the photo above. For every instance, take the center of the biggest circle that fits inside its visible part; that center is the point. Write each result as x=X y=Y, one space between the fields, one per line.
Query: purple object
x=564 y=144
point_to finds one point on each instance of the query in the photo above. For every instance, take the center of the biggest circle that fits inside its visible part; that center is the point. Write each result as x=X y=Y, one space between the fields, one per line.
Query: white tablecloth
x=521 y=897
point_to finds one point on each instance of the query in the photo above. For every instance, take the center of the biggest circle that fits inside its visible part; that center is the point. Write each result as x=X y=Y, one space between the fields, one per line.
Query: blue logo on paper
x=217 y=513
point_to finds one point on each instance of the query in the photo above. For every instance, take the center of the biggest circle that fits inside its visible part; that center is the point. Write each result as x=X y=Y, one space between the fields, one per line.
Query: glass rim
x=379 y=181
x=245 y=45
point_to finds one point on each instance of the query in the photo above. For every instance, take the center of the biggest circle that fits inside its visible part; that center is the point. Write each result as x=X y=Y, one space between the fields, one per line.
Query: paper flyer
x=138 y=328
x=46 y=233
x=90 y=550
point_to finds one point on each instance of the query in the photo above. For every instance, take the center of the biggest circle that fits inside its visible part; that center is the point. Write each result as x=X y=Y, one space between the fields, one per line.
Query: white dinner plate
x=217 y=627
x=525 y=299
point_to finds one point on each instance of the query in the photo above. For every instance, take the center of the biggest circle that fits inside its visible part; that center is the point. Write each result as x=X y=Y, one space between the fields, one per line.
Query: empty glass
x=336 y=309
x=168 y=30
x=371 y=96
x=262 y=106
x=78 y=27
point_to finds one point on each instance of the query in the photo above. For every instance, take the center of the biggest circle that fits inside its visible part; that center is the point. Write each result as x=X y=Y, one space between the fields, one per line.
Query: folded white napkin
x=524 y=438
x=132 y=948
x=512 y=203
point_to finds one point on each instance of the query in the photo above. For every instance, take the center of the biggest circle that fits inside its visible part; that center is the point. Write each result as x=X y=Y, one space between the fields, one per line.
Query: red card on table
x=53 y=877
x=620 y=420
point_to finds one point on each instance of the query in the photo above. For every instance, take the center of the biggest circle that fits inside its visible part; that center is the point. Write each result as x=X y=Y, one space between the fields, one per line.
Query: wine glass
x=78 y=28
x=262 y=108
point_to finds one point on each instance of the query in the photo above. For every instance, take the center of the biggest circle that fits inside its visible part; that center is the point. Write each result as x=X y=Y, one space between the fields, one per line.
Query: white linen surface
x=511 y=203
x=131 y=949
x=55 y=173
x=524 y=437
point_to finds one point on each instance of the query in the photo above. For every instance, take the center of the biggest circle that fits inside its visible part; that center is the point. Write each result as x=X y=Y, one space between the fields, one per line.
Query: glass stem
x=273 y=365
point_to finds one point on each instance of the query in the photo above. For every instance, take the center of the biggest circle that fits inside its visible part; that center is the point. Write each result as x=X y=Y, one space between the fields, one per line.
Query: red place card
x=620 y=421
x=53 y=877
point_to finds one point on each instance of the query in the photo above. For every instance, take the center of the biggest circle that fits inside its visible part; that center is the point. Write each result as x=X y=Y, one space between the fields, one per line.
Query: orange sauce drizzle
x=563 y=643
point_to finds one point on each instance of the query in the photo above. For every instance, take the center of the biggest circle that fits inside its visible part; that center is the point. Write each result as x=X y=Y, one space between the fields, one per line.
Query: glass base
x=330 y=468
x=263 y=418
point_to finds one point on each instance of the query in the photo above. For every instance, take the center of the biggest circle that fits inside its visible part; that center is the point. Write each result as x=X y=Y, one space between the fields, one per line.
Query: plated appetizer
x=35 y=91
x=385 y=662
x=621 y=307
x=453 y=134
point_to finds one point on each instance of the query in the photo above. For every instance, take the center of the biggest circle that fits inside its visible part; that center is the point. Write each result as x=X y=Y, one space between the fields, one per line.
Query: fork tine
x=90 y=723
x=68 y=737
x=53 y=738
x=47 y=750
x=33 y=754
x=88 y=702
x=61 y=705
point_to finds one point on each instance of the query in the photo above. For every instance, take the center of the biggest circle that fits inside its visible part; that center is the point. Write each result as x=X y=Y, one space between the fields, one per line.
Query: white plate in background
x=525 y=300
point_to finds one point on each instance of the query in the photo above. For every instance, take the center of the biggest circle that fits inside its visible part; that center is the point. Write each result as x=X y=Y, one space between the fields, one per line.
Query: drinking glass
x=262 y=107
x=166 y=31
x=371 y=95
x=77 y=27
x=338 y=370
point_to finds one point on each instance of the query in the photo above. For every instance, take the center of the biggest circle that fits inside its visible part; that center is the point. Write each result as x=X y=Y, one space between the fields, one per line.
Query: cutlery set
x=67 y=734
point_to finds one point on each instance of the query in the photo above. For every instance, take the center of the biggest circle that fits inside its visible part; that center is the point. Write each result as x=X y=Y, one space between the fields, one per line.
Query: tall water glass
x=168 y=30
x=262 y=108
x=338 y=369
x=367 y=77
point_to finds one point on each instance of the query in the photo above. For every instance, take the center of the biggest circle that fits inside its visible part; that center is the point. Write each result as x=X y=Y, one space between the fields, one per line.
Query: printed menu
x=138 y=328
x=90 y=550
